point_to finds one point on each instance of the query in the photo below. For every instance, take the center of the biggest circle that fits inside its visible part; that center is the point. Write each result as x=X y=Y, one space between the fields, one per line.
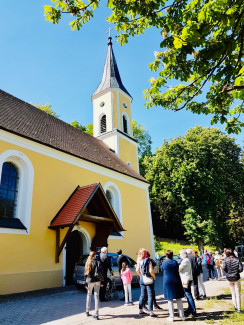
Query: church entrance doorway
x=88 y=204
x=74 y=249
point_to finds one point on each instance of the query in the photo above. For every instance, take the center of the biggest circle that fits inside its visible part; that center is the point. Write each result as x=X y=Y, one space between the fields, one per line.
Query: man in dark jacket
x=120 y=259
x=106 y=265
x=195 y=272
x=233 y=267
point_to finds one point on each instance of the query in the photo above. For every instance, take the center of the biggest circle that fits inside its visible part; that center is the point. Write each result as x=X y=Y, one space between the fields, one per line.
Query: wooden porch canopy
x=89 y=198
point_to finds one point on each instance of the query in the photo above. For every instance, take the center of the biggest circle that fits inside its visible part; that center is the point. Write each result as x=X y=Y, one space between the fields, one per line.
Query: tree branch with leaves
x=202 y=50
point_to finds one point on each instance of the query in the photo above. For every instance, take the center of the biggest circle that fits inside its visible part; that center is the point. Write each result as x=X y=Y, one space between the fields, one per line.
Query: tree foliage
x=46 y=108
x=197 y=183
x=143 y=138
x=86 y=128
x=201 y=50
x=144 y=144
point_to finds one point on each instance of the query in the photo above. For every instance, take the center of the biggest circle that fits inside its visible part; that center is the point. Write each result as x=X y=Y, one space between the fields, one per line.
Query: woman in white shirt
x=186 y=279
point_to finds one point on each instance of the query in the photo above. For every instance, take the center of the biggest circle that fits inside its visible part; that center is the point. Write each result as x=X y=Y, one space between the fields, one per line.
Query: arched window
x=16 y=176
x=8 y=190
x=125 y=124
x=114 y=198
x=103 y=124
x=110 y=198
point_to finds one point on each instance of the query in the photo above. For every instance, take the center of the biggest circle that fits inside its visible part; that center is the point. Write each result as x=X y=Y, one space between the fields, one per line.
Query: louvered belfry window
x=103 y=124
x=125 y=126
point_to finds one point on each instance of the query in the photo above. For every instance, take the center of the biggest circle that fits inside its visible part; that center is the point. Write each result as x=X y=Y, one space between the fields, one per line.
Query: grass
x=177 y=245
x=210 y=302
x=234 y=318
x=230 y=317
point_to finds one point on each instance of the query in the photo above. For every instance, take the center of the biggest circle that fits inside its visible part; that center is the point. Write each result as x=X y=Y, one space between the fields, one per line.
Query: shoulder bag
x=147 y=280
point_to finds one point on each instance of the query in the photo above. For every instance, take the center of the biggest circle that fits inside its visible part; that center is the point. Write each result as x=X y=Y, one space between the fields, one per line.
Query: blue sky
x=45 y=63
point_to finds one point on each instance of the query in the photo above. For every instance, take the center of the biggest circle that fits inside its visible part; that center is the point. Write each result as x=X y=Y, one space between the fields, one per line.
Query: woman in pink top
x=126 y=277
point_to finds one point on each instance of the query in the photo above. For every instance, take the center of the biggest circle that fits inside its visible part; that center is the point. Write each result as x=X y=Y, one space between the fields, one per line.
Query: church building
x=64 y=192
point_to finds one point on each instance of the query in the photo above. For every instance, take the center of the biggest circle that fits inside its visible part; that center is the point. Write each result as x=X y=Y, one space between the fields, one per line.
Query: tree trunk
x=200 y=247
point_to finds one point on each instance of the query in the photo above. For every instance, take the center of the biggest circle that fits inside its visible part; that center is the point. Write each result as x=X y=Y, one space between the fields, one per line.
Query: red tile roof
x=76 y=202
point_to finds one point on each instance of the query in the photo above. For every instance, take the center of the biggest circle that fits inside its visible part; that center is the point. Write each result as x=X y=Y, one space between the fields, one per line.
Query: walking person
x=155 y=304
x=195 y=272
x=93 y=276
x=106 y=265
x=126 y=277
x=145 y=302
x=138 y=261
x=201 y=287
x=186 y=279
x=212 y=266
x=172 y=286
x=206 y=264
x=218 y=264
x=233 y=267
x=147 y=277
x=120 y=260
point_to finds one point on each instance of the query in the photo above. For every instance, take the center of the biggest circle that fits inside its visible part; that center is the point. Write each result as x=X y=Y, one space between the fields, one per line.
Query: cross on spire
x=109 y=30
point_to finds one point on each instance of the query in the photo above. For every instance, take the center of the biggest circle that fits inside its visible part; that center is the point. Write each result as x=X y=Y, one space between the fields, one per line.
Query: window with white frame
x=16 y=185
x=114 y=198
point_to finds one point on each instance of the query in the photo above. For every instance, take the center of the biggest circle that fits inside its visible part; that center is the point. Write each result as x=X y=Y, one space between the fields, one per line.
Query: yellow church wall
x=128 y=152
x=28 y=281
x=89 y=227
x=136 y=222
x=122 y=99
x=28 y=261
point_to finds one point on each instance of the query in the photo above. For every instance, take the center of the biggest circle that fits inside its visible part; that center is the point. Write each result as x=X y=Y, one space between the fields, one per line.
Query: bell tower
x=112 y=112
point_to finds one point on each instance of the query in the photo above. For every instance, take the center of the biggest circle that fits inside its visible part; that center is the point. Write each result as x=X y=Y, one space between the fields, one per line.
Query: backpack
x=145 y=266
x=98 y=271
x=207 y=258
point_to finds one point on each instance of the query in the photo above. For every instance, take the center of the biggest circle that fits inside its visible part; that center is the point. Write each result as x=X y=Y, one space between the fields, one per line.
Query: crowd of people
x=178 y=279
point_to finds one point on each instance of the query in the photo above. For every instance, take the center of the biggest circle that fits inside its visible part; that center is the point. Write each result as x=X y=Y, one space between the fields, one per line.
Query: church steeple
x=112 y=122
x=111 y=77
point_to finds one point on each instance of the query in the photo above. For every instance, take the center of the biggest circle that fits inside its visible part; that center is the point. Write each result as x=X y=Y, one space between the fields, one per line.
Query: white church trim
x=25 y=188
x=150 y=223
x=86 y=239
x=117 y=206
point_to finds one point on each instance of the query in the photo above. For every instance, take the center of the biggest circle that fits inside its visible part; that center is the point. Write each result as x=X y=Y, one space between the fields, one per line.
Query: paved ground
x=67 y=307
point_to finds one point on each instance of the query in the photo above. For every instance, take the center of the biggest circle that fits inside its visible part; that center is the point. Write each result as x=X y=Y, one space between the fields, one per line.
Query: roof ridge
x=81 y=187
